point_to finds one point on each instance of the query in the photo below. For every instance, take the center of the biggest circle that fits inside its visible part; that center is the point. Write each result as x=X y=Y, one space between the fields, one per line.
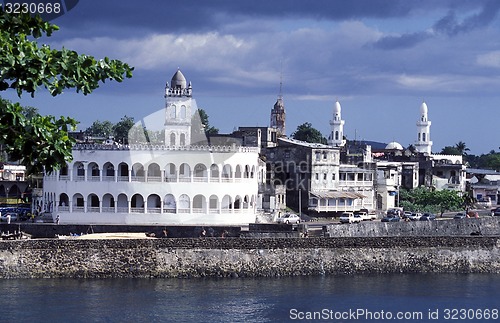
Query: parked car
x=13 y=217
x=348 y=217
x=395 y=211
x=495 y=212
x=406 y=215
x=365 y=216
x=427 y=217
x=415 y=216
x=289 y=218
x=460 y=215
x=391 y=218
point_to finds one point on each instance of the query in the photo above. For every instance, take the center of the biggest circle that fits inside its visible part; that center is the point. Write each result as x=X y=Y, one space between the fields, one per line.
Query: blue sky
x=379 y=58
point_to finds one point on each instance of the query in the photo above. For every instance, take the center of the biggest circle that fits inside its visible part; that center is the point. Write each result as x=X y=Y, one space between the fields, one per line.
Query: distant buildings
x=349 y=176
x=228 y=179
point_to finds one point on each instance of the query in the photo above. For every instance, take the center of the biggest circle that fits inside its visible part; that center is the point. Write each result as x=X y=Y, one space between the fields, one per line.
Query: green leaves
x=24 y=66
x=425 y=200
x=39 y=142
x=42 y=142
x=306 y=132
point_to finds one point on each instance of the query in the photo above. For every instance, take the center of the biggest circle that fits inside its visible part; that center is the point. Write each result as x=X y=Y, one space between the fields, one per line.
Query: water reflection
x=237 y=300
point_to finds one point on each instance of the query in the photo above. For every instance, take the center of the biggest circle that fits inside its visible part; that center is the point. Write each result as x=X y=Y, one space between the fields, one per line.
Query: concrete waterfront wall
x=49 y=230
x=237 y=257
x=485 y=226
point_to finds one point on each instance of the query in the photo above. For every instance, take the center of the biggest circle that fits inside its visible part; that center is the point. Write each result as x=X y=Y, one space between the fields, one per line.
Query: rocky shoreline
x=240 y=257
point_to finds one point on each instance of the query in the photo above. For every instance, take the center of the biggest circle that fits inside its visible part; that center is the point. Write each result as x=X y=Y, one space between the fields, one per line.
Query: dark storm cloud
x=448 y=25
x=402 y=41
x=125 y=18
x=451 y=26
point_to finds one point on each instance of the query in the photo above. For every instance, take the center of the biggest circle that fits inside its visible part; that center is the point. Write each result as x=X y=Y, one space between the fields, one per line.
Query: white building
x=336 y=138
x=424 y=143
x=175 y=183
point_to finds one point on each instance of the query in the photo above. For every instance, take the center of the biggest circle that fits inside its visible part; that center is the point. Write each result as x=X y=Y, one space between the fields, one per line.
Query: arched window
x=170 y=173
x=122 y=203
x=154 y=173
x=108 y=203
x=93 y=203
x=123 y=172
x=172 y=139
x=237 y=174
x=154 y=203
x=199 y=204
x=169 y=205
x=214 y=173
x=63 y=202
x=184 y=173
x=183 y=112
x=138 y=172
x=183 y=139
x=213 y=204
x=226 y=172
x=184 y=204
x=173 y=111
x=109 y=170
x=78 y=202
x=336 y=135
x=226 y=203
x=137 y=203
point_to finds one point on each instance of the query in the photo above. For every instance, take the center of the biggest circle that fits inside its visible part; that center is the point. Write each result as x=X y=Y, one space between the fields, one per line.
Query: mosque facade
x=177 y=182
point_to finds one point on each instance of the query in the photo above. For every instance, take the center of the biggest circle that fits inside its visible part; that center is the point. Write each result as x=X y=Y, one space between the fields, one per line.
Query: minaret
x=278 y=114
x=337 y=124
x=178 y=103
x=423 y=143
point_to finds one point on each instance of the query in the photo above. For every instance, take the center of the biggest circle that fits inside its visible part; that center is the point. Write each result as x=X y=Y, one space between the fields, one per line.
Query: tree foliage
x=306 y=132
x=25 y=66
x=37 y=141
x=42 y=142
x=100 y=129
x=485 y=161
x=206 y=124
x=122 y=128
x=460 y=148
x=422 y=199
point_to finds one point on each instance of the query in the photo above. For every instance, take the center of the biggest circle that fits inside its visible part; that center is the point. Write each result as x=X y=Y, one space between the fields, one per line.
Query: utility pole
x=300 y=203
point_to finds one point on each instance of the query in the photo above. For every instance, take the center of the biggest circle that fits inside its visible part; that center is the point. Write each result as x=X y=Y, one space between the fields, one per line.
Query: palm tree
x=462 y=148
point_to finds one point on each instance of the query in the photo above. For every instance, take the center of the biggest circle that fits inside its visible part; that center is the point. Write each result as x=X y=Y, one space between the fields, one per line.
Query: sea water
x=355 y=298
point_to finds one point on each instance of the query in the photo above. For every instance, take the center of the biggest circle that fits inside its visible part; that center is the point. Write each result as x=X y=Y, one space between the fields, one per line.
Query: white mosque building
x=174 y=183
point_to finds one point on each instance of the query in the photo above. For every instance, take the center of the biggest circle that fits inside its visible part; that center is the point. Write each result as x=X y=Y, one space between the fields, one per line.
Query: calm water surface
x=251 y=300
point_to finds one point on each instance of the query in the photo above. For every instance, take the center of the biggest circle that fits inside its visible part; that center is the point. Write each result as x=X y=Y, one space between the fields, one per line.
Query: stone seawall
x=237 y=257
x=485 y=226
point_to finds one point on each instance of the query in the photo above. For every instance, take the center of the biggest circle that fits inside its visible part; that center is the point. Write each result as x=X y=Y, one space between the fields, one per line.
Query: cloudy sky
x=379 y=58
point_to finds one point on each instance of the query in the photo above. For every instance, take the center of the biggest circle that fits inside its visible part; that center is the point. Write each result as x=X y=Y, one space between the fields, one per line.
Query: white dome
x=394 y=146
x=178 y=80
x=337 y=109
x=423 y=108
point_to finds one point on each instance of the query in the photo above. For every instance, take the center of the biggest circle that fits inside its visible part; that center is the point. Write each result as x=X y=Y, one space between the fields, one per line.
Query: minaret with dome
x=178 y=111
x=337 y=124
x=424 y=143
